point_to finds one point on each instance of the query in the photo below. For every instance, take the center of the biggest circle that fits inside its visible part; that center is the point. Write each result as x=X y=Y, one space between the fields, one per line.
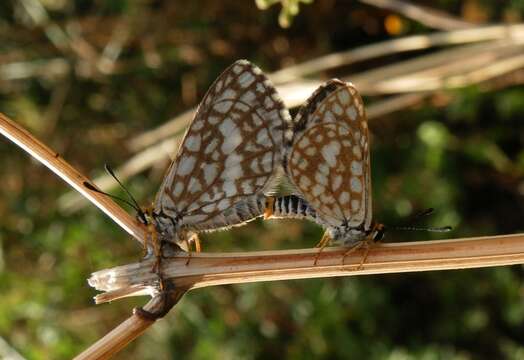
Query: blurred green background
x=459 y=151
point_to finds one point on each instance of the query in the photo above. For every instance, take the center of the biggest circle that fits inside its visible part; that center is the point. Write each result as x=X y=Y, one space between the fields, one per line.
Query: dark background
x=459 y=151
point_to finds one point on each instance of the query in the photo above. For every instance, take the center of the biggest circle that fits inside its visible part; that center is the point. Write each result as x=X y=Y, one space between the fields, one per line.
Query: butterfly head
x=144 y=215
x=376 y=232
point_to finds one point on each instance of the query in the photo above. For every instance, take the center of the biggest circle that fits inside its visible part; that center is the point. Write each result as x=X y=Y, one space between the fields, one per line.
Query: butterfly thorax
x=346 y=235
x=168 y=229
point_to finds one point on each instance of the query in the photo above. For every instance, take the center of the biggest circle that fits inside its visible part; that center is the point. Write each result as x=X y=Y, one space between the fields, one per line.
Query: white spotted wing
x=230 y=154
x=329 y=160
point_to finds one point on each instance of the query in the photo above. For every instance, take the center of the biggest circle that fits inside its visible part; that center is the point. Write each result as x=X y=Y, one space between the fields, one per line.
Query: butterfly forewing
x=329 y=157
x=230 y=153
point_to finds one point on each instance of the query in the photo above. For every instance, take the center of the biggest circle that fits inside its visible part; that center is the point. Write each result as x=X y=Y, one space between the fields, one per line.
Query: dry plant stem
x=410 y=43
x=210 y=269
x=71 y=202
x=135 y=325
x=327 y=62
x=428 y=16
x=124 y=333
x=169 y=127
x=444 y=69
x=59 y=166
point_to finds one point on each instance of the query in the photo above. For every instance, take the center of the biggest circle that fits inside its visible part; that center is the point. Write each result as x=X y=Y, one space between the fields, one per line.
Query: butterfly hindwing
x=329 y=158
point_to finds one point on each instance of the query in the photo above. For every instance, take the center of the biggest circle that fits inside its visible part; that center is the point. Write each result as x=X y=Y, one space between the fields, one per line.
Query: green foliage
x=290 y=9
x=464 y=157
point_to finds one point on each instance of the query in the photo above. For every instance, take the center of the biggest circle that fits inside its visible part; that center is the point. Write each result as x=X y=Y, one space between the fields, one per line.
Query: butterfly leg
x=365 y=257
x=196 y=240
x=270 y=205
x=198 y=247
x=146 y=242
x=360 y=244
x=322 y=244
x=150 y=231
x=157 y=252
x=189 y=252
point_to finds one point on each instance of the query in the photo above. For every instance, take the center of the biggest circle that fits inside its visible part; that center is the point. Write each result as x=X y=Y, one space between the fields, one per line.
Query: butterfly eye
x=379 y=232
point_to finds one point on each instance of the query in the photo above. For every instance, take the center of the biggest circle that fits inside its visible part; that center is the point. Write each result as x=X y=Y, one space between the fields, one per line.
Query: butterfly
x=229 y=158
x=327 y=162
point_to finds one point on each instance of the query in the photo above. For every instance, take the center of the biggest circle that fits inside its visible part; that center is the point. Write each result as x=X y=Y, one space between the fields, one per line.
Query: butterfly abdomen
x=293 y=207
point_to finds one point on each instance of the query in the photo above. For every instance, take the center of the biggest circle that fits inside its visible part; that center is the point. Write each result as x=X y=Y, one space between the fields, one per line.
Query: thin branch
x=432 y=72
x=233 y=268
x=56 y=35
x=169 y=127
x=390 y=47
x=60 y=167
x=430 y=17
x=135 y=325
x=126 y=332
x=210 y=269
x=72 y=201
x=328 y=62
x=114 y=48
x=49 y=68
x=9 y=352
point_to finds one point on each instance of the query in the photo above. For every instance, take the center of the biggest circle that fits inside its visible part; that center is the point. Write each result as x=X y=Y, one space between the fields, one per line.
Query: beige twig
x=49 y=68
x=389 y=47
x=169 y=127
x=58 y=37
x=9 y=352
x=75 y=179
x=72 y=201
x=433 y=72
x=124 y=333
x=210 y=269
x=327 y=62
x=233 y=268
x=135 y=325
x=121 y=33
x=430 y=17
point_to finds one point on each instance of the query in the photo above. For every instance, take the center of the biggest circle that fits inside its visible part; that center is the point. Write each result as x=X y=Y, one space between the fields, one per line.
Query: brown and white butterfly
x=328 y=163
x=229 y=158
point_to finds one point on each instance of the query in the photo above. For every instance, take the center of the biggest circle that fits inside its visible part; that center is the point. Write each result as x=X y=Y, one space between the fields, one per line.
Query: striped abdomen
x=292 y=207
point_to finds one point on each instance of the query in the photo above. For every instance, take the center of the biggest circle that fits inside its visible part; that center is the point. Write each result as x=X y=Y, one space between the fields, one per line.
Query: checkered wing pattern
x=230 y=154
x=329 y=160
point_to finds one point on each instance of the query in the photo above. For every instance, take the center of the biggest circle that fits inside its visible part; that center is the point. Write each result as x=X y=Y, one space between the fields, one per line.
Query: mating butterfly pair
x=242 y=140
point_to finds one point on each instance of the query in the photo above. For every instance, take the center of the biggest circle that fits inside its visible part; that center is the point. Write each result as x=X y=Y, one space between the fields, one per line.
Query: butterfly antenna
x=111 y=172
x=420 y=228
x=137 y=207
x=416 y=218
x=133 y=203
x=422 y=214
